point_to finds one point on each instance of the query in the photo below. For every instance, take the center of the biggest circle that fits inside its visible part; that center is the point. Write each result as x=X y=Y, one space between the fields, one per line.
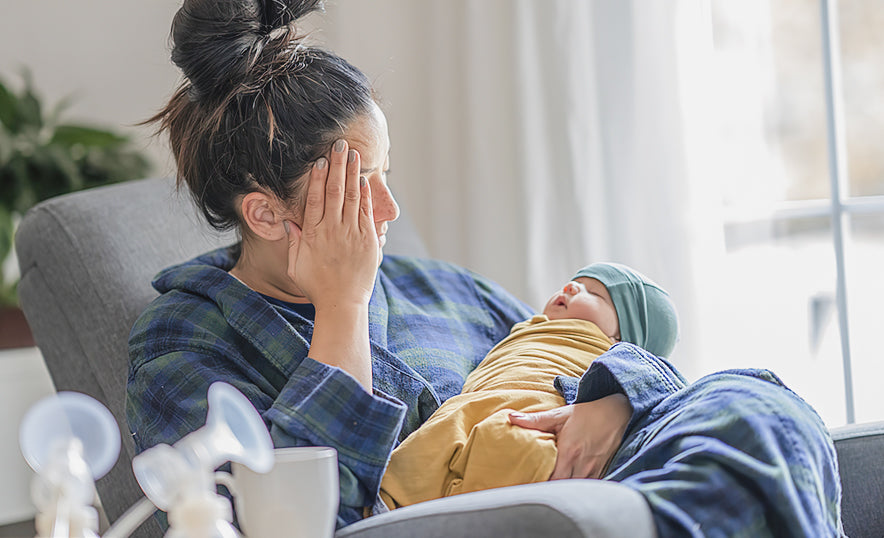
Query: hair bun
x=279 y=13
x=213 y=40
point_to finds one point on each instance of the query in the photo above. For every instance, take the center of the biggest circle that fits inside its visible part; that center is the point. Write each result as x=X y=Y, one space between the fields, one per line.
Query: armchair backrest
x=87 y=260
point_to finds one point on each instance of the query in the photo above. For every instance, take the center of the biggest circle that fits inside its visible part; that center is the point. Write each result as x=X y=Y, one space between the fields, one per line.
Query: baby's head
x=626 y=305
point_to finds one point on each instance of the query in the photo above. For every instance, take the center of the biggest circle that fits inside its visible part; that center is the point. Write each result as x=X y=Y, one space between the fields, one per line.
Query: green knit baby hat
x=646 y=314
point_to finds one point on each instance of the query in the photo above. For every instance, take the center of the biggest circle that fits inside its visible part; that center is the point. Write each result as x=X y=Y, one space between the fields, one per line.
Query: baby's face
x=587 y=299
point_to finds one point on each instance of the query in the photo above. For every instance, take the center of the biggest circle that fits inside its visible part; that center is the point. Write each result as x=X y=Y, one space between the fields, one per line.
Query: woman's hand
x=334 y=255
x=587 y=434
x=333 y=259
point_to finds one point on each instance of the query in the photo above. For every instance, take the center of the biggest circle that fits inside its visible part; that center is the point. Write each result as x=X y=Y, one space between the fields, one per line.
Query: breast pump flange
x=70 y=440
x=180 y=479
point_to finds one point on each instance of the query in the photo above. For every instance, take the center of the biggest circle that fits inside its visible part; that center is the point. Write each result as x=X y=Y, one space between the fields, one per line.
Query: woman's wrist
x=340 y=339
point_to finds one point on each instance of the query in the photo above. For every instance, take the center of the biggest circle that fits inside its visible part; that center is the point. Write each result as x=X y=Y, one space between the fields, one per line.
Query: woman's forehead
x=368 y=135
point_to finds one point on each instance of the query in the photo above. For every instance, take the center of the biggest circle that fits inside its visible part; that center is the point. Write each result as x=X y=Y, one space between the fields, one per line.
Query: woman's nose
x=384 y=204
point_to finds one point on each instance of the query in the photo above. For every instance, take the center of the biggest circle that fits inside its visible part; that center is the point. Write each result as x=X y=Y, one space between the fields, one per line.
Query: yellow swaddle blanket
x=468 y=444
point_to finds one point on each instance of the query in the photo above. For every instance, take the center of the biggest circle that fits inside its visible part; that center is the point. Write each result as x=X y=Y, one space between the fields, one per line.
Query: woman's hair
x=258 y=106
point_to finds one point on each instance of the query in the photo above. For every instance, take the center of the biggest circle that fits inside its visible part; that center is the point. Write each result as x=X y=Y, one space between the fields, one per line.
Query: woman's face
x=368 y=135
x=587 y=299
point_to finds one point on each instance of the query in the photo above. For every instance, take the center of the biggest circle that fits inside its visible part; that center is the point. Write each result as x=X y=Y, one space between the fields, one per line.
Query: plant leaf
x=8 y=108
x=19 y=178
x=70 y=135
x=6 y=149
x=41 y=158
x=9 y=294
x=6 y=232
x=52 y=118
x=29 y=109
x=60 y=161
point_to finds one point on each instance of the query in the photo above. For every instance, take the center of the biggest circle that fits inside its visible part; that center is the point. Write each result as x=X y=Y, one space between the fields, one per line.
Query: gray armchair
x=87 y=260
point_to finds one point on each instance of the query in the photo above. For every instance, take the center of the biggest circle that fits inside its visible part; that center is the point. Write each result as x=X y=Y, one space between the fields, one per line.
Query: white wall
x=111 y=56
x=435 y=65
x=24 y=380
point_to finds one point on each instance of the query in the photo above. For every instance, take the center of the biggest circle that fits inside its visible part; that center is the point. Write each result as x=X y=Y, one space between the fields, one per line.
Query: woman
x=331 y=344
x=336 y=345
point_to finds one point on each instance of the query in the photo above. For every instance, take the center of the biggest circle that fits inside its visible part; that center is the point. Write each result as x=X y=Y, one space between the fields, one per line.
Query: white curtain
x=532 y=137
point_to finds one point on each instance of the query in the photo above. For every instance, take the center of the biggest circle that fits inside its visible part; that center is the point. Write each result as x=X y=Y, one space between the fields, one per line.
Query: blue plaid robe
x=734 y=454
x=430 y=324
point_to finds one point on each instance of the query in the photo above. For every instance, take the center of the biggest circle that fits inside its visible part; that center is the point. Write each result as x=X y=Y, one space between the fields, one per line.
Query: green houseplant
x=42 y=157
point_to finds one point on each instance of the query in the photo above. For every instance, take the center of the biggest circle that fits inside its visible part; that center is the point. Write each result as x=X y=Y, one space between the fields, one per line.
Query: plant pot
x=14 y=329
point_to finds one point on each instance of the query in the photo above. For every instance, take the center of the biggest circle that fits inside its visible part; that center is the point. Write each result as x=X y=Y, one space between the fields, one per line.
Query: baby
x=468 y=444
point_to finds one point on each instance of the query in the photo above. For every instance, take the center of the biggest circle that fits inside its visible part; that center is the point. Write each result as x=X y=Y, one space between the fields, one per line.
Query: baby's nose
x=571 y=288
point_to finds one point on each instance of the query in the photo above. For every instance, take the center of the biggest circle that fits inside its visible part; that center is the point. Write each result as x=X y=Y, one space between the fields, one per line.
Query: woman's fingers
x=315 y=206
x=333 y=187
x=337 y=178
x=551 y=421
x=546 y=421
x=352 y=191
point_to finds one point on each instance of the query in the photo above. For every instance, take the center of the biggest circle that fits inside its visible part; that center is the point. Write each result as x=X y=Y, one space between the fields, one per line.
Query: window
x=799 y=231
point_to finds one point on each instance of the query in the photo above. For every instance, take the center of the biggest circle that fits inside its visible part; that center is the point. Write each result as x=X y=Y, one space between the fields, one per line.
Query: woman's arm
x=318 y=406
x=333 y=259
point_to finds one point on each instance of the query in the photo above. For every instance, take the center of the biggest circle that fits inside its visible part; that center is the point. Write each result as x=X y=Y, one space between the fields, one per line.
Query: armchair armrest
x=860 y=450
x=589 y=508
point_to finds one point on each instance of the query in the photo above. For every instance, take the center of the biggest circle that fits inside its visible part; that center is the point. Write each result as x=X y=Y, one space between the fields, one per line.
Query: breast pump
x=70 y=440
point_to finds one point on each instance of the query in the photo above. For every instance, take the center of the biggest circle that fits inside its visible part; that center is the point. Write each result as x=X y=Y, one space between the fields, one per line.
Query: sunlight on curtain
x=531 y=138
x=683 y=137
x=566 y=130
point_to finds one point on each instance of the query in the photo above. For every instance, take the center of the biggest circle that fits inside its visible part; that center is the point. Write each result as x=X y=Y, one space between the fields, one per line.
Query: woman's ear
x=263 y=215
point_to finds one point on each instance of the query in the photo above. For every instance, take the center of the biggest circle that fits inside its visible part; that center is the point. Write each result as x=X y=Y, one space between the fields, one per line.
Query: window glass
x=770 y=96
x=772 y=306
x=865 y=301
x=778 y=278
x=862 y=58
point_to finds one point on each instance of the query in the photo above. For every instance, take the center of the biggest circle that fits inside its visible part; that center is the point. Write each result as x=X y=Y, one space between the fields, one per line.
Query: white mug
x=297 y=498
